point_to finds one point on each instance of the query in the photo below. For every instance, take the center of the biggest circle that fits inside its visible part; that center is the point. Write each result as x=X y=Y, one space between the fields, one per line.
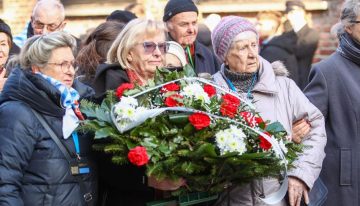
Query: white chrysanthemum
x=128 y=113
x=195 y=90
x=129 y=101
x=231 y=140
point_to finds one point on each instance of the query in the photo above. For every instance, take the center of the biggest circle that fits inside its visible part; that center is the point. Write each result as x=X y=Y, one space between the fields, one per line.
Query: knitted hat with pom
x=227 y=29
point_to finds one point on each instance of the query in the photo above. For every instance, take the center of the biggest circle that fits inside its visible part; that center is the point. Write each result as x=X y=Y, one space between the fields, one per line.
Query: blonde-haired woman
x=133 y=57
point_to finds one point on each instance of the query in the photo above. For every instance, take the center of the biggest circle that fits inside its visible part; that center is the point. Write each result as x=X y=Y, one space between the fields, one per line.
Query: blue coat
x=334 y=87
x=33 y=171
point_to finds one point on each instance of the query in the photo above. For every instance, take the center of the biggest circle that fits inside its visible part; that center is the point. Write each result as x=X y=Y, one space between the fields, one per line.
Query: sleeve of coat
x=308 y=165
x=16 y=148
x=317 y=90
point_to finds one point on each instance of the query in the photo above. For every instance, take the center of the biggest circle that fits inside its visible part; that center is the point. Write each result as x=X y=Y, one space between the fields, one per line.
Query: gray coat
x=277 y=98
x=335 y=89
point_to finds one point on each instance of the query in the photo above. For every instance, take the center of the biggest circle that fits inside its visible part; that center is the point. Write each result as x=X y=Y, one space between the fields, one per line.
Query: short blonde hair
x=130 y=36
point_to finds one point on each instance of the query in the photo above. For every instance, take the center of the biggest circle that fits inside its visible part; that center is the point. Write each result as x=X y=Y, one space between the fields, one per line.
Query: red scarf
x=133 y=77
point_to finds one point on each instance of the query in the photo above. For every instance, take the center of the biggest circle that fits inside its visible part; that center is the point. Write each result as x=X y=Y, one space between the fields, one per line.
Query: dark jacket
x=119 y=185
x=33 y=171
x=283 y=48
x=334 y=88
x=205 y=61
x=306 y=45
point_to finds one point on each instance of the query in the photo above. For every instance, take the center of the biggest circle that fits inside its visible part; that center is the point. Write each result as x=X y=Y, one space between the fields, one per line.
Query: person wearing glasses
x=136 y=53
x=334 y=87
x=36 y=167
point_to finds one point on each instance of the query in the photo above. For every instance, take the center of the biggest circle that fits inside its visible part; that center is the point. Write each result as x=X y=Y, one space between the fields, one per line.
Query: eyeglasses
x=150 y=47
x=49 y=27
x=355 y=22
x=65 y=66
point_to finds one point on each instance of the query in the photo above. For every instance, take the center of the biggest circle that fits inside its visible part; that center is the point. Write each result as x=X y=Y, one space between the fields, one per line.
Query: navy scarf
x=349 y=49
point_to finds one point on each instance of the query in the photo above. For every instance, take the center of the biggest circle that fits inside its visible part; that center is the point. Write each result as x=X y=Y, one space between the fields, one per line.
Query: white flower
x=195 y=90
x=131 y=101
x=231 y=140
x=129 y=113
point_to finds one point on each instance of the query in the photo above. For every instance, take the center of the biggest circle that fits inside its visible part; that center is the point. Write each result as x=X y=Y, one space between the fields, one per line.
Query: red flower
x=138 y=156
x=120 y=90
x=249 y=118
x=172 y=101
x=210 y=90
x=260 y=122
x=170 y=87
x=264 y=144
x=199 y=120
x=228 y=109
x=231 y=99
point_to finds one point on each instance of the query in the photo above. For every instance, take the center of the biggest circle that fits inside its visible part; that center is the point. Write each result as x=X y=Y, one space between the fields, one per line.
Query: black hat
x=291 y=5
x=5 y=28
x=121 y=16
x=174 y=7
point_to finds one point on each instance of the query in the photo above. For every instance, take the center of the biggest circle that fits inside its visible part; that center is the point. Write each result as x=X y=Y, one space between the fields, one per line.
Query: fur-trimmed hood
x=280 y=69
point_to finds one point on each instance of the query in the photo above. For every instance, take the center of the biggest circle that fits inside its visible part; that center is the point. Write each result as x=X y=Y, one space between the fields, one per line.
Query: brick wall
x=17 y=13
x=323 y=22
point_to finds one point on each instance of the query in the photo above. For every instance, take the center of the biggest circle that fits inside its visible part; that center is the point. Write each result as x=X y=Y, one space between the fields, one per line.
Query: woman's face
x=243 y=53
x=60 y=66
x=4 y=48
x=172 y=61
x=147 y=55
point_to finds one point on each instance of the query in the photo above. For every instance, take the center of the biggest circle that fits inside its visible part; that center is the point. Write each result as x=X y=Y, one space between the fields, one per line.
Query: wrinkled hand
x=2 y=79
x=165 y=184
x=300 y=129
x=297 y=189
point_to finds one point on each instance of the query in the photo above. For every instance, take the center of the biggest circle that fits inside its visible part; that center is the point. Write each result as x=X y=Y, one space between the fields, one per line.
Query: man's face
x=354 y=31
x=44 y=21
x=267 y=27
x=183 y=28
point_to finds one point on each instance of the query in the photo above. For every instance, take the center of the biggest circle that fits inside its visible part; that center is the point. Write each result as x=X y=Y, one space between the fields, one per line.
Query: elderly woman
x=5 y=46
x=175 y=56
x=277 y=98
x=334 y=87
x=37 y=167
x=133 y=57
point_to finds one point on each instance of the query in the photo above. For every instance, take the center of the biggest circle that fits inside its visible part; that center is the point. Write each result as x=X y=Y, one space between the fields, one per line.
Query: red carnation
x=138 y=156
x=173 y=100
x=264 y=144
x=199 y=120
x=231 y=99
x=120 y=90
x=170 y=87
x=228 y=109
x=210 y=90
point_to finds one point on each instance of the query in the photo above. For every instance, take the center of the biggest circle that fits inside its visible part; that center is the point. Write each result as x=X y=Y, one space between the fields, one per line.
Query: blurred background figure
x=136 y=8
x=181 y=19
x=121 y=16
x=268 y=24
x=175 y=58
x=307 y=38
x=5 y=47
x=95 y=50
x=204 y=36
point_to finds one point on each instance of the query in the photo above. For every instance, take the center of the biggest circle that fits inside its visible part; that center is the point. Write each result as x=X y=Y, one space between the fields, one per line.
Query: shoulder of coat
x=280 y=69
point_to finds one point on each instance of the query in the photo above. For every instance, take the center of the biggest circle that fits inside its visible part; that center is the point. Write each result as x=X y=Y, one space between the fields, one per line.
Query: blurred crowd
x=45 y=72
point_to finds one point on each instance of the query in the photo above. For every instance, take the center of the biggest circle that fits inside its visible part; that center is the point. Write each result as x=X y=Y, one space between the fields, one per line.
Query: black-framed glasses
x=65 y=66
x=150 y=47
x=49 y=27
x=355 y=22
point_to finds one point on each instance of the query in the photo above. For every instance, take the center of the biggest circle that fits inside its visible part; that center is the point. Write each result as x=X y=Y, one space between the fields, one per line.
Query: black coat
x=283 y=48
x=119 y=185
x=33 y=171
x=334 y=87
x=306 y=45
x=205 y=61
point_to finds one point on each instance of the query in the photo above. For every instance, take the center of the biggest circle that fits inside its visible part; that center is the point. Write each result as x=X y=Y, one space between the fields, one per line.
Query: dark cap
x=6 y=29
x=291 y=5
x=174 y=7
x=121 y=16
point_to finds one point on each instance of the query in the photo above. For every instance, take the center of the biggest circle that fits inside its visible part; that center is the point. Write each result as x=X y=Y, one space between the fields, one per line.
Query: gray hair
x=38 y=49
x=50 y=6
x=349 y=14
